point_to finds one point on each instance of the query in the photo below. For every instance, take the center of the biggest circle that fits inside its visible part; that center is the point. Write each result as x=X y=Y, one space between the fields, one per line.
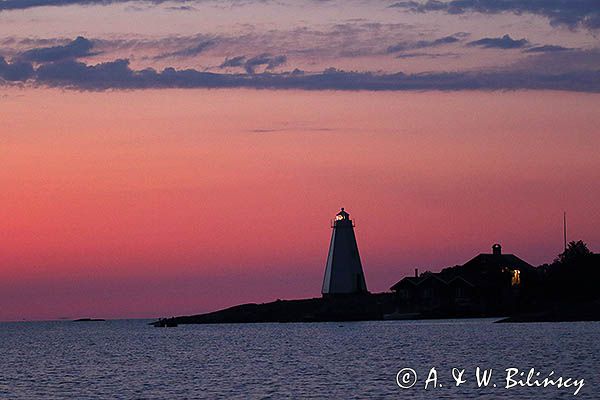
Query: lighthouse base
x=344 y=295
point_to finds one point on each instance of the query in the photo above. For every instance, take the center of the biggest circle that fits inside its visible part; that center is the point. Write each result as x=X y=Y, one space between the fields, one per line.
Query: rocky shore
x=365 y=307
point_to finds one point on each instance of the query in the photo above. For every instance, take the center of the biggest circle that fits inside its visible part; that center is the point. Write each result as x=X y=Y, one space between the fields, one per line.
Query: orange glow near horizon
x=152 y=203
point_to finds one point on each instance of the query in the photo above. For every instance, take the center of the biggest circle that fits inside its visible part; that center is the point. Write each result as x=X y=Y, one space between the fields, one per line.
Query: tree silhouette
x=574 y=275
x=575 y=250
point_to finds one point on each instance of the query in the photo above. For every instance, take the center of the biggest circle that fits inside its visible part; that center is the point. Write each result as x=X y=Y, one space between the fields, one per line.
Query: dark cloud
x=270 y=62
x=570 y=13
x=545 y=68
x=80 y=47
x=333 y=43
x=118 y=75
x=428 y=55
x=504 y=42
x=233 y=62
x=25 y=4
x=188 y=51
x=251 y=64
x=6 y=5
x=546 y=49
x=181 y=8
x=560 y=62
x=421 y=44
x=30 y=42
x=17 y=71
x=75 y=74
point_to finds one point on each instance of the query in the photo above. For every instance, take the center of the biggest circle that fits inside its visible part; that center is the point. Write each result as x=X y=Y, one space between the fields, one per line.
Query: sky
x=162 y=158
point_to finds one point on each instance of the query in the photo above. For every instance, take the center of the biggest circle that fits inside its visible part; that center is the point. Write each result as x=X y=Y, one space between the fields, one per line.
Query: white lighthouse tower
x=344 y=273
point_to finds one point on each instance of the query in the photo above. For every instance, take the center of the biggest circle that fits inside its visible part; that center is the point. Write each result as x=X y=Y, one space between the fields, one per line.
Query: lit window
x=516 y=278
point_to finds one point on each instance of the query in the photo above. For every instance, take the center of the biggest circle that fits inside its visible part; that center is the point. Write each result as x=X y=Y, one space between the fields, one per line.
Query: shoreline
x=366 y=307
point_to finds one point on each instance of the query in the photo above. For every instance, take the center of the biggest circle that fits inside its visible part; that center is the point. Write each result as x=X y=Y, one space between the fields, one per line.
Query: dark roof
x=414 y=281
x=406 y=280
x=497 y=260
x=431 y=275
x=343 y=213
x=460 y=279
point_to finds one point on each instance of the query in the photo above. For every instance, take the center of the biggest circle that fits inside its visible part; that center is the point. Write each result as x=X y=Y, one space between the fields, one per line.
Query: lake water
x=131 y=360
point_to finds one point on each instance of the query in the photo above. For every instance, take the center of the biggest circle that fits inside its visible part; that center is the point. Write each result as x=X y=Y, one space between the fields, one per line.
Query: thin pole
x=565 y=229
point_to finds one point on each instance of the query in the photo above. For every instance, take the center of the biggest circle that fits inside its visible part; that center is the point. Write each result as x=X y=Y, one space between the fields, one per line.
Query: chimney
x=416 y=272
x=496 y=249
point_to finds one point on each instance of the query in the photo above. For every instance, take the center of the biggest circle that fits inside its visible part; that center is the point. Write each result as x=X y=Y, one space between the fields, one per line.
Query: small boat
x=165 y=323
x=89 y=320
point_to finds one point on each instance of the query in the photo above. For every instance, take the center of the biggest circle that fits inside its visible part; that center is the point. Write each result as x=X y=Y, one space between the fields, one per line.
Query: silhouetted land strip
x=489 y=285
x=345 y=308
x=89 y=320
x=569 y=312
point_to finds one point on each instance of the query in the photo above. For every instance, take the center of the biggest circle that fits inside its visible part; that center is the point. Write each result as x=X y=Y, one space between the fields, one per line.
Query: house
x=488 y=284
x=430 y=293
x=496 y=268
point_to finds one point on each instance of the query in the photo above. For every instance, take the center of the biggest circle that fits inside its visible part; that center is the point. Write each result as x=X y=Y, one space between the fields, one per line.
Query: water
x=131 y=360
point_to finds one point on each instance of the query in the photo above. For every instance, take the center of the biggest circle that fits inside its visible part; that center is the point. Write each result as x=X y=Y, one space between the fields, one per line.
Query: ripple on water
x=129 y=359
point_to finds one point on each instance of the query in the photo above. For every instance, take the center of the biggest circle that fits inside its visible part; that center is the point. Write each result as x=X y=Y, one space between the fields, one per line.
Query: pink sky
x=166 y=202
x=130 y=189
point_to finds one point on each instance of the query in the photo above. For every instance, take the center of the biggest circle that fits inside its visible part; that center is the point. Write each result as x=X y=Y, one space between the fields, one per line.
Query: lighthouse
x=343 y=273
